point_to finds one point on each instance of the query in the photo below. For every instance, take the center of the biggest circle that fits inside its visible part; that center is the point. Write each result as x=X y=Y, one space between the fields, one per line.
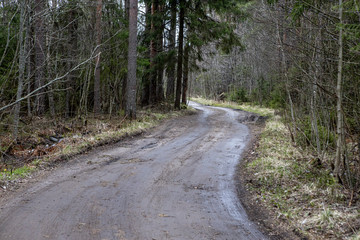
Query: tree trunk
x=146 y=77
x=153 y=51
x=124 y=80
x=98 y=33
x=180 y=54
x=186 y=74
x=159 y=49
x=170 y=87
x=29 y=61
x=22 y=59
x=130 y=110
x=72 y=48
x=39 y=54
x=49 y=67
x=316 y=77
x=339 y=169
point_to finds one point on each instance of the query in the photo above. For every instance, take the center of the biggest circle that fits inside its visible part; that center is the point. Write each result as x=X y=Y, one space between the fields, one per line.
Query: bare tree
x=170 y=87
x=22 y=59
x=180 y=54
x=340 y=119
x=98 y=36
x=40 y=48
x=130 y=110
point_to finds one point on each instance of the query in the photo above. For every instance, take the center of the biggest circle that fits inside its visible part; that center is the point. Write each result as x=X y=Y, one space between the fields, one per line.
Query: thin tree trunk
x=22 y=59
x=170 y=87
x=130 y=110
x=29 y=65
x=49 y=67
x=159 y=49
x=186 y=74
x=124 y=80
x=98 y=33
x=153 y=52
x=338 y=170
x=39 y=54
x=180 y=54
x=284 y=68
x=145 y=79
x=314 y=96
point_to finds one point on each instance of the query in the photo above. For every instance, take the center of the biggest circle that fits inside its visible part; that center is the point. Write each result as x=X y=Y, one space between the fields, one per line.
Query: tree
x=130 y=110
x=186 y=74
x=180 y=54
x=339 y=168
x=22 y=59
x=40 y=48
x=98 y=36
x=170 y=87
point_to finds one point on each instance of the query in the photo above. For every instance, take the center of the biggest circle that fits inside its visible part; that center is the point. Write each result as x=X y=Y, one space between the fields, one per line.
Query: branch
x=48 y=84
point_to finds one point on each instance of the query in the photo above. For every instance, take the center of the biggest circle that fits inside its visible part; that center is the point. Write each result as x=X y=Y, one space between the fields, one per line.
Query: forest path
x=176 y=182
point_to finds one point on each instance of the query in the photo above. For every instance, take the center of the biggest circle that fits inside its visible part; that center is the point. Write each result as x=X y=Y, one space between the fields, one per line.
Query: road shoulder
x=256 y=210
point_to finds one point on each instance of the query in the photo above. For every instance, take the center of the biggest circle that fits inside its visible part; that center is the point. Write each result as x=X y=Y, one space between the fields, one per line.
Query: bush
x=308 y=137
x=239 y=96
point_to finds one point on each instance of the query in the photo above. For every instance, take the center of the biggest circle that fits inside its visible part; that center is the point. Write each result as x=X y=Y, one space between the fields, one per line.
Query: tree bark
x=186 y=74
x=170 y=87
x=39 y=54
x=98 y=33
x=159 y=49
x=153 y=52
x=22 y=59
x=130 y=110
x=338 y=170
x=180 y=54
x=72 y=48
x=124 y=80
x=146 y=78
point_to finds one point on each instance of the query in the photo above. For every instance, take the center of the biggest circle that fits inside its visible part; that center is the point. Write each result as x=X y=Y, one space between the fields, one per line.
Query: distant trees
x=302 y=57
x=71 y=58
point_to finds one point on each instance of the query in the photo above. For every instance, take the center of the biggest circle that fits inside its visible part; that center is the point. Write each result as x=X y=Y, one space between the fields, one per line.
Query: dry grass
x=284 y=178
x=245 y=106
x=34 y=147
x=305 y=196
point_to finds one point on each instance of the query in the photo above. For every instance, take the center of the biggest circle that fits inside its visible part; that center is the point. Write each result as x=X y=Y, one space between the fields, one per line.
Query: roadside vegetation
x=294 y=185
x=42 y=141
x=267 y=112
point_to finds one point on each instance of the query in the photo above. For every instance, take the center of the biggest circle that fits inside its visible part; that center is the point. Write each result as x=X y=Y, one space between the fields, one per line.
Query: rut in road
x=173 y=183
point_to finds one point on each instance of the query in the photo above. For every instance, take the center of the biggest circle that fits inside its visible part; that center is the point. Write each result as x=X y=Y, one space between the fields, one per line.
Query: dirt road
x=173 y=183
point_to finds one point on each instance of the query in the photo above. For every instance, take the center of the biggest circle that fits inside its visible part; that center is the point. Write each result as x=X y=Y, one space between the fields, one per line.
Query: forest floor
x=289 y=184
x=42 y=142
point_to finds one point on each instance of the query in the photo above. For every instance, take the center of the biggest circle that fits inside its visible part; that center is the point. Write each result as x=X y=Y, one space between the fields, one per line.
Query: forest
x=72 y=61
x=301 y=58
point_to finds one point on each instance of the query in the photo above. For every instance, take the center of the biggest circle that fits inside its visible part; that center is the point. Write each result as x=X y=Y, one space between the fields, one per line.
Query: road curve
x=173 y=183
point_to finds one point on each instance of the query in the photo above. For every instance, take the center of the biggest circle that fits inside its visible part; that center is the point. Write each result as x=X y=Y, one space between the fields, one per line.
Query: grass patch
x=17 y=173
x=304 y=195
x=245 y=106
x=78 y=135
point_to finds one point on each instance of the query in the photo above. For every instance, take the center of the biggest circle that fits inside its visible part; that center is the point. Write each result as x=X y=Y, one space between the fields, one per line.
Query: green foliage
x=239 y=95
x=326 y=137
x=278 y=97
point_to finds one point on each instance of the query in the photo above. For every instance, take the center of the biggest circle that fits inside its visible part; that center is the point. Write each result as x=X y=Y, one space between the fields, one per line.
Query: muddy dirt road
x=173 y=183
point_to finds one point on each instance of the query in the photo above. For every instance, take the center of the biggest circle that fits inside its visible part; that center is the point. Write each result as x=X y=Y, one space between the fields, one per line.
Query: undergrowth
x=302 y=194
x=34 y=149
